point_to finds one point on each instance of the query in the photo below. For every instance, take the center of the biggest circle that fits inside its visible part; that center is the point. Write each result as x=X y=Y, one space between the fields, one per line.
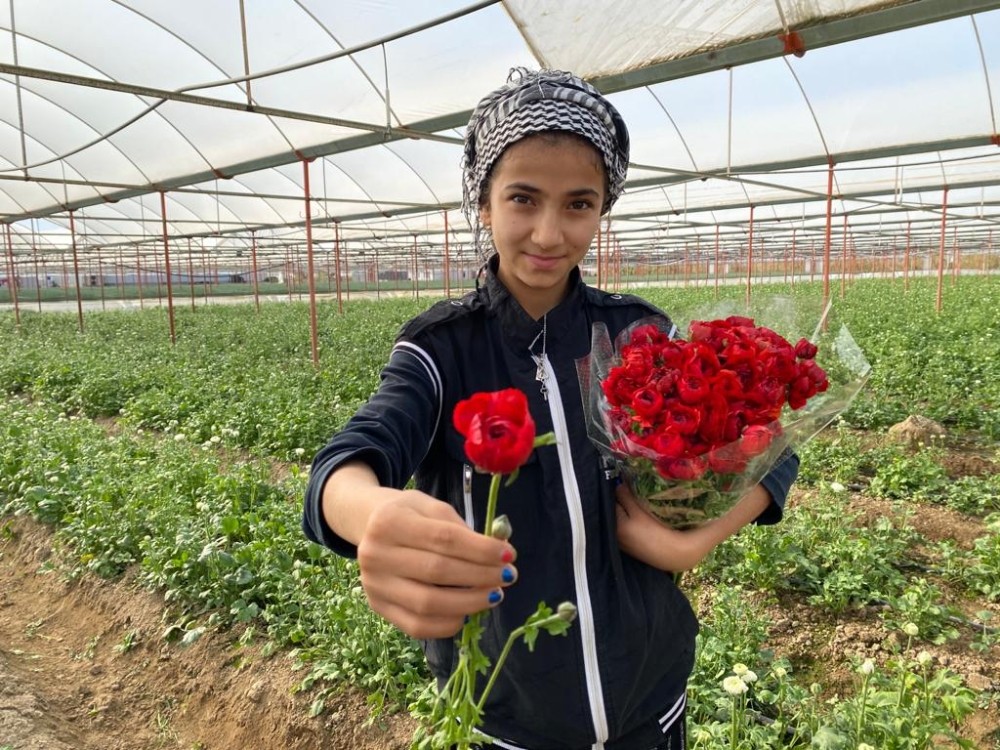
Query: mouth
x=544 y=262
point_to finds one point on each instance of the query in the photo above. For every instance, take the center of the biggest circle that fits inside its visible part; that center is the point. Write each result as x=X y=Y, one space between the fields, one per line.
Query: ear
x=484 y=215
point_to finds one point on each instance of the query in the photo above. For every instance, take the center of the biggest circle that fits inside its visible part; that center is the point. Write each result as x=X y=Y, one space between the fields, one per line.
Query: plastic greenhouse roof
x=106 y=104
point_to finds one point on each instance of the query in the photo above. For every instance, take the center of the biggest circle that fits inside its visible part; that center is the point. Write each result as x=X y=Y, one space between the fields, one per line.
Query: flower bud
x=566 y=611
x=865 y=746
x=734 y=685
x=740 y=669
x=749 y=676
x=911 y=629
x=924 y=658
x=867 y=666
x=501 y=528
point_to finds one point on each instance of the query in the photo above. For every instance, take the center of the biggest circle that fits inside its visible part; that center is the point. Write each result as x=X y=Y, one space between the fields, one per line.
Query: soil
x=69 y=681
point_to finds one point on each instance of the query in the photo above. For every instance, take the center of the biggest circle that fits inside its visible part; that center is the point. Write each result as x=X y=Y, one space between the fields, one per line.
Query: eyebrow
x=527 y=188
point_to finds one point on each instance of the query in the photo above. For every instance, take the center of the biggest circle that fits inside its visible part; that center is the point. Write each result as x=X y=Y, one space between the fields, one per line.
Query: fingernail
x=508 y=575
x=495 y=596
x=507 y=556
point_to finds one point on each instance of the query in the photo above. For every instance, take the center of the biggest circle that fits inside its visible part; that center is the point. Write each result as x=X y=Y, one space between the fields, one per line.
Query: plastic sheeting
x=902 y=114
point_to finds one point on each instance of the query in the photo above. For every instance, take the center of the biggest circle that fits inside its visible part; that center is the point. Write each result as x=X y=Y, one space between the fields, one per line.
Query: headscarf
x=537 y=102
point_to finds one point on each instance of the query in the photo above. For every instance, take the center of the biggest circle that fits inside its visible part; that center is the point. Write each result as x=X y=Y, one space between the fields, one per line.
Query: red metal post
x=100 y=278
x=76 y=272
x=313 y=325
x=826 y=243
x=191 y=273
x=750 y=257
x=253 y=266
x=944 y=226
x=447 y=259
x=843 y=263
x=39 y=277
x=906 y=260
x=793 y=259
x=12 y=277
x=716 y=261
x=166 y=265
x=336 y=253
x=416 y=286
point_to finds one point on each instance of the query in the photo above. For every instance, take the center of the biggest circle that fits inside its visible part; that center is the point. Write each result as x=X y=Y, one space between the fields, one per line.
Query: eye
x=581 y=205
x=520 y=198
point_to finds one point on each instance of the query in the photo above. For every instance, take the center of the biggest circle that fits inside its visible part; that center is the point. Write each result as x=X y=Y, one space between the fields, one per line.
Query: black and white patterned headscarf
x=536 y=102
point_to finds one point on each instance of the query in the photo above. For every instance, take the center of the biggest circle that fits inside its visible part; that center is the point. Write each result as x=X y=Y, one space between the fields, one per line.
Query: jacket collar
x=518 y=326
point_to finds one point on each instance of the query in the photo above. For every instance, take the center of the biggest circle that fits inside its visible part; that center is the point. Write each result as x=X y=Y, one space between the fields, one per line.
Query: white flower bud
x=566 y=611
x=300 y=452
x=740 y=669
x=780 y=672
x=734 y=685
x=911 y=629
x=865 y=746
x=837 y=487
x=501 y=528
x=924 y=658
x=749 y=677
x=867 y=666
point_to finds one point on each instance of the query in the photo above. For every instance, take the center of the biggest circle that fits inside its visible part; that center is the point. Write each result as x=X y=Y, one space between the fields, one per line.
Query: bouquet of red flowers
x=695 y=423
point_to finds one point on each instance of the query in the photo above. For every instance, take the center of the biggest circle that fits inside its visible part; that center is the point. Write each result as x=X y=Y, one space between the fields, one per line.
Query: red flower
x=805 y=349
x=727 y=461
x=682 y=468
x=668 y=444
x=680 y=418
x=755 y=440
x=692 y=387
x=498 y=429
x=647 y=402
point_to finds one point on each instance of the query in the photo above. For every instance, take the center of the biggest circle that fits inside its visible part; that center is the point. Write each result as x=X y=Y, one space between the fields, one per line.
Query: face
x=544 y=208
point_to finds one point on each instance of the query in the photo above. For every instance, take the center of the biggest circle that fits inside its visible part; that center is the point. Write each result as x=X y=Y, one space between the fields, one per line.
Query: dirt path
x=83 y=667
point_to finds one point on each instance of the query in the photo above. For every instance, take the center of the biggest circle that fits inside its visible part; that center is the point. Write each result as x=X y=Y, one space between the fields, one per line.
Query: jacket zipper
x=470 y=517
x=574 y=505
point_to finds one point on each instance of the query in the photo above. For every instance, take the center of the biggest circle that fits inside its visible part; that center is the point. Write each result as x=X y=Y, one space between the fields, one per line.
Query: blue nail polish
x=495 y=597
x=508 y=575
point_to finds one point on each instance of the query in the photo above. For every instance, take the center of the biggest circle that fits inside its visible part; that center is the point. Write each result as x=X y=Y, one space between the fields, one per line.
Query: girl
x=545 y=157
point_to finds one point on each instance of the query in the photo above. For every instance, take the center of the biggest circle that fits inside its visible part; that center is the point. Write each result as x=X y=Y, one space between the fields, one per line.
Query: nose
x=548 y=230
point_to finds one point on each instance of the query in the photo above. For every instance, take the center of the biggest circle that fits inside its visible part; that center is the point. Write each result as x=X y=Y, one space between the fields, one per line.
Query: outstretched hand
x=424 y=570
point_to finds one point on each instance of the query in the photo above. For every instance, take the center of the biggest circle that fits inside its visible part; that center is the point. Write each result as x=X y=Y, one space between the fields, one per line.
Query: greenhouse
x=217 y=216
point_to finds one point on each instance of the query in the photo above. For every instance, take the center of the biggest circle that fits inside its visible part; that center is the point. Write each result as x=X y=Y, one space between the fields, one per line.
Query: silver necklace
x=540 y=374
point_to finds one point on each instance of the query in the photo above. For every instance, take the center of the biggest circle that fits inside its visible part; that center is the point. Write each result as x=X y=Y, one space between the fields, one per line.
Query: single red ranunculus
x=682 y=468
x=668 y=444
x=647 y=402
x=692 y=387
x=683 y=419
x=498 y=429
x=755 y=440
x=805 y=349
x=727 y=460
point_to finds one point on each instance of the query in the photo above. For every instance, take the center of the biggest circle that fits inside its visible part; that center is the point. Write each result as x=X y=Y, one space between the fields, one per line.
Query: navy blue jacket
x=628 y=656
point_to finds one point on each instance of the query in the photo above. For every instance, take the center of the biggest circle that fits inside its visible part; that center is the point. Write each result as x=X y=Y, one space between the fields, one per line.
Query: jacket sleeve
x=778 y=481
x=391 y=433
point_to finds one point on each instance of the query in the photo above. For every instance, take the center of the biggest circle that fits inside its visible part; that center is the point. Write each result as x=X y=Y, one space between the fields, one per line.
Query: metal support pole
x=793 y=259
x=253 y=266
x=166 y=265
x=826 y=243
x=416 y=286
x=716 y=261
x=906 y=260
x=12 y=277
x=843 y=263
x=138 y=276
x=100 y=278
x=191 y=274
x=750 y=257
x=447 y=259
x=944 y=226
x=76 y=272
x=313 y=325
x=336 y=253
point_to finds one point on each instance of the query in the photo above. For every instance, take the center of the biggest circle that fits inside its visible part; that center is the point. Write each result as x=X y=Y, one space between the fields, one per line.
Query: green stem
x=491 y=503
x=861 y=709
x=732 y=732
x=514 y=635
